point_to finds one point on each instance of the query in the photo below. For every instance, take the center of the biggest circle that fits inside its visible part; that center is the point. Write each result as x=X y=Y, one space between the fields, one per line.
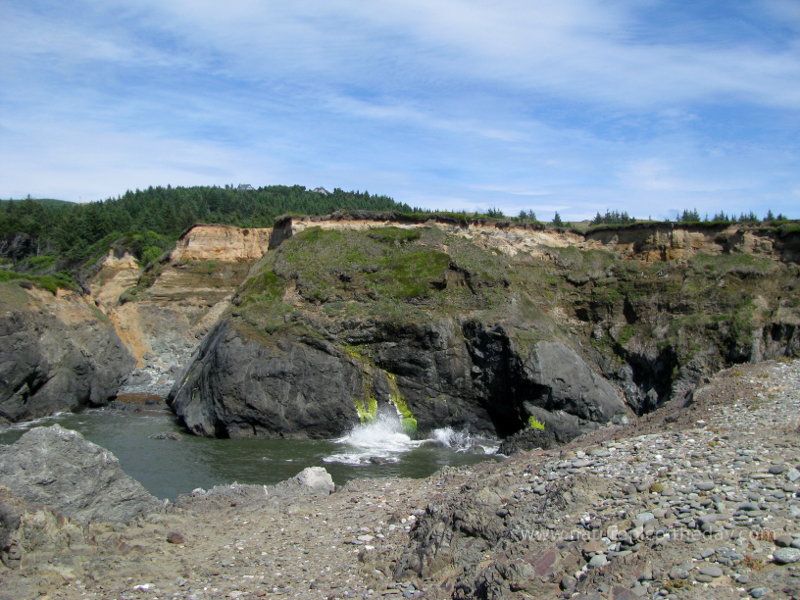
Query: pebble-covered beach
x=698 y=501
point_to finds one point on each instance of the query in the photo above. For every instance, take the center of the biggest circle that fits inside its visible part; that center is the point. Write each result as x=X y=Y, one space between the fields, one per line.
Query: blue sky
x=576 y=106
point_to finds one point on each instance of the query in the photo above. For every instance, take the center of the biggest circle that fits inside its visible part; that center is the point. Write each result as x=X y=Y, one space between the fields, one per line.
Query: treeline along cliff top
x=51 y=240
x=50 y=236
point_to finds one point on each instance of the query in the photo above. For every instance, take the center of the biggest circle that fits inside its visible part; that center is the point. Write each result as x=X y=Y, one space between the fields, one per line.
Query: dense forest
x=54 y=240
x=48 y=236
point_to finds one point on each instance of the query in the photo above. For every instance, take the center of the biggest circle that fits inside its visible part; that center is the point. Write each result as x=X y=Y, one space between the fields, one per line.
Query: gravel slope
x=698 y=501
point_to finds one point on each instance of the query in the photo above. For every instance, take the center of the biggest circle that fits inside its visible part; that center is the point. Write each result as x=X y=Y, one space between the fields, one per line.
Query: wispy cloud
x=573 y=106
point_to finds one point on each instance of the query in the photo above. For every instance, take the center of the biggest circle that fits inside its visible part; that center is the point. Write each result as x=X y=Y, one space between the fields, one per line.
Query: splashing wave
x=384 y=441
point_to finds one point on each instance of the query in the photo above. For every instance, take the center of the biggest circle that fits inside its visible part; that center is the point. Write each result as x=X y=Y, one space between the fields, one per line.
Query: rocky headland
x=697 y=499
x=491 y=327
x=306 y=328
x=634 y=470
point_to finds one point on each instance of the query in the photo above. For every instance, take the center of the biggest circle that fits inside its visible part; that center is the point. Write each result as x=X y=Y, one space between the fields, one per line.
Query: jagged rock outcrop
x=482 y=326
x=60 y=469
x=239 y=387
x=444 y=373
x=26 y=529
x=57 y=353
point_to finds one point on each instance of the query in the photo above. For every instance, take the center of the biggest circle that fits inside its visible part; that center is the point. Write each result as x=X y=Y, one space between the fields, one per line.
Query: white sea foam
x=383 y=440
x=463 y=441
x=41 y=421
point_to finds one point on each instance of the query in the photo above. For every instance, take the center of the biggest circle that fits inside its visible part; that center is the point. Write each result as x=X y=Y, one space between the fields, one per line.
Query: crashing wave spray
x=382 y=440
x=463 y=441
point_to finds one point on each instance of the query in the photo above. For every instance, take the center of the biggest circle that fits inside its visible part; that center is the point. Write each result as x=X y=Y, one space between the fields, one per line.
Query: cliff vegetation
x=483 y=329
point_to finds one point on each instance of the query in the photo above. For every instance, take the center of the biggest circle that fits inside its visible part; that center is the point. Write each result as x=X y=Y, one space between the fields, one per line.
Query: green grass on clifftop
x=51 y=283
x=708 y=306
x=387 y=272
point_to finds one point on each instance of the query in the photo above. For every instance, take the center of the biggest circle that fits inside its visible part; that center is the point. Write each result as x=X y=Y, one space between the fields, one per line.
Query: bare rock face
x=446 y=373
x=57 y=353
x=570 y=385
x=60 y=469
x=222 y=242
x=240 y=388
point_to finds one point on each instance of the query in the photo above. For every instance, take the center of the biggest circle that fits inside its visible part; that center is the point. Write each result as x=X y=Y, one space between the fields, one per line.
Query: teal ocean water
x=169 y=467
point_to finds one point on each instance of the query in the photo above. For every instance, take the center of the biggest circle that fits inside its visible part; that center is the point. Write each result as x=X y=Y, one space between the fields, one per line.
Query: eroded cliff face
x=646 y=242
x=56 y=353
x=162 y=316
x=506 y=238
x=487 y=326
x=484 y=326
x=673 y=242
x=221 y=242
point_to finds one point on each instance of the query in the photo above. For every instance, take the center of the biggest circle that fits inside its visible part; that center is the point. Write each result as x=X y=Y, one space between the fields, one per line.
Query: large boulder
x=290 y=386
x=56 y=354
x=60 y=469
x=568 y=384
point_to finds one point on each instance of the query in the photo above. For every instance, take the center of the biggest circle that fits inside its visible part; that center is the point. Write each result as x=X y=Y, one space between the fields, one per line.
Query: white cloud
x=582 y=50
x=656 y=174
x=465 y=104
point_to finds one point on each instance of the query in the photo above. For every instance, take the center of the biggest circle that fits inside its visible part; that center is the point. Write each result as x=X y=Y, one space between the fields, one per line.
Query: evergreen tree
x=494 y=213
x=689 y=216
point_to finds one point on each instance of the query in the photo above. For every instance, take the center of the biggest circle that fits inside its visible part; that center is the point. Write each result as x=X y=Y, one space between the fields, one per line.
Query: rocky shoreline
x=698 y=500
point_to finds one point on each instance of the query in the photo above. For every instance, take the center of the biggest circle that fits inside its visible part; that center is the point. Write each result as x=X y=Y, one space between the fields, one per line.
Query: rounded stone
x=705 y=486
x=785 y=556
x=599 y=560
x=568 y=583
x=678 y=573
x=710 y=570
